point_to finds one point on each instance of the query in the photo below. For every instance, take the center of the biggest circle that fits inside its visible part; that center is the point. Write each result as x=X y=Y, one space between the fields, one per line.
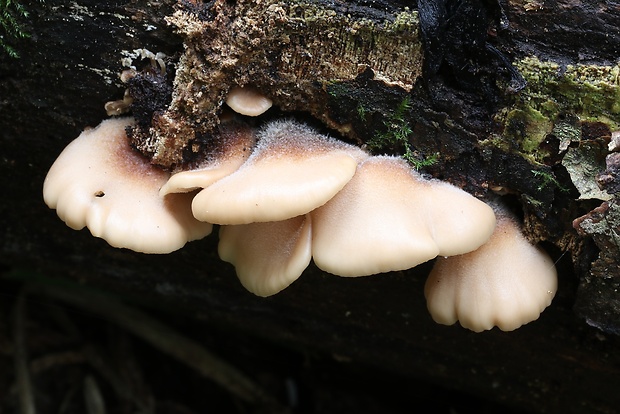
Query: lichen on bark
x=565 y=119
x=291 y=51
x=591 y=93
x=598 y=302
x=360 y=73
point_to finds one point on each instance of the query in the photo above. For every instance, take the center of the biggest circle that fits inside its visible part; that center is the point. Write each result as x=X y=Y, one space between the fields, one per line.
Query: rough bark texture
x=518 y=101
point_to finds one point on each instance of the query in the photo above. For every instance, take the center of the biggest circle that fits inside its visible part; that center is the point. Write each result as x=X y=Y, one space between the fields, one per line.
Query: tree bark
x=518 y=100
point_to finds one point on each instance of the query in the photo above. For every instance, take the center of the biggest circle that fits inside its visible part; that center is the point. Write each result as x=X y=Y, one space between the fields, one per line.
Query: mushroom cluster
x=285 y=195
x=301 y=195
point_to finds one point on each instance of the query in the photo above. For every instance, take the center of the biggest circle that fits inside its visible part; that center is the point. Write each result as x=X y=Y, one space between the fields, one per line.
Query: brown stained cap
x=506 y=283
x=292 y=171
x=387 y=218
x=267 y=257
x=232 y=148
x=100 y=182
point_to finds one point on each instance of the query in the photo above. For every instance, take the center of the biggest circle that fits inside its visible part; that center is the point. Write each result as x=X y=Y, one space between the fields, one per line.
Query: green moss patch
x=589 y=92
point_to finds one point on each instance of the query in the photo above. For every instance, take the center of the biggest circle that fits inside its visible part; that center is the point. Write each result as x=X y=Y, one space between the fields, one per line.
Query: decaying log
x=517 y=100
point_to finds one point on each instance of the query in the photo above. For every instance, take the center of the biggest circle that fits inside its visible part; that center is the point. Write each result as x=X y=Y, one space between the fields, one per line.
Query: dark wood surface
x=67 y=71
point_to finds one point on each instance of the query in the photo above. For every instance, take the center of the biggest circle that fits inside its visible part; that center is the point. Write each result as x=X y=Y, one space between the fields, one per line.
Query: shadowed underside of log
x=504 y=100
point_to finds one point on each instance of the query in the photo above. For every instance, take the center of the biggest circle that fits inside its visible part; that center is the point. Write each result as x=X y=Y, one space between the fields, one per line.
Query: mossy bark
x=300 y=54
x=515 y=100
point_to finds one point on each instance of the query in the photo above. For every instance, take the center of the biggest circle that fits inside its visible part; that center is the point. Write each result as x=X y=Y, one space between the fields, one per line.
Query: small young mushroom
x=267 y=257
x=119 y=107
x=100 y=182
x=507 y=282
x=292 y=171
x=232 y=147
x=389 y=218
x=247 y=101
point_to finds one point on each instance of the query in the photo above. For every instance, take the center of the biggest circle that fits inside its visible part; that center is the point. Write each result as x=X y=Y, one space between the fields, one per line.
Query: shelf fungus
x=284 y=195
x=506 y=283
x=291 y=171
x=100 y=182
x=390 y=218
x=302 y=195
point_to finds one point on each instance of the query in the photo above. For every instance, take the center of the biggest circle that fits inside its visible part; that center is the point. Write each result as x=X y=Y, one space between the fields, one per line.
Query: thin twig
x=22 y=372
x=95 y=403
x=161 y=337
x=121 y=386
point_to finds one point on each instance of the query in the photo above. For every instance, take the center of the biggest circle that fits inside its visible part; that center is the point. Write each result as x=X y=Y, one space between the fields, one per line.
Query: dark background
x=325 y=344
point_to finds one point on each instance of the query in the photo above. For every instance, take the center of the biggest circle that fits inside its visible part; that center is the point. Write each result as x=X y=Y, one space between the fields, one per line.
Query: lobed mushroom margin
x=284 y=195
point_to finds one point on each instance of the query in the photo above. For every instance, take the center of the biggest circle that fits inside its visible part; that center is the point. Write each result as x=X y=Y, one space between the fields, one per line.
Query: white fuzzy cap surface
x=232 y=148
x=292 y=171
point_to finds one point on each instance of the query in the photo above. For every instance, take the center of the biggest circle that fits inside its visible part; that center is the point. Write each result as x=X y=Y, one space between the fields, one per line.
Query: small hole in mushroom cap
x=133 y=215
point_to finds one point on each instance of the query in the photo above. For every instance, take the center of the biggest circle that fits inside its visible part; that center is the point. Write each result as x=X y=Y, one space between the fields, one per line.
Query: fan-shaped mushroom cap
x=506 y=283
x=292 y=171
x=248 y=101
x=389 y=218
x=268 y=257
x=232 y=149
x=100 y=182
x=458 y=221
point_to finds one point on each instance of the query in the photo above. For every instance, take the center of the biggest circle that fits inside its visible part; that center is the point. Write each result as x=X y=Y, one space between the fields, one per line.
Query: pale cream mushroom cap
x=100 y=182
x=268 y=257
x=248 y=101
x=458 y=221
x=292 y=171
x=233 y=147
x=387 y=218
x=506 y=283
